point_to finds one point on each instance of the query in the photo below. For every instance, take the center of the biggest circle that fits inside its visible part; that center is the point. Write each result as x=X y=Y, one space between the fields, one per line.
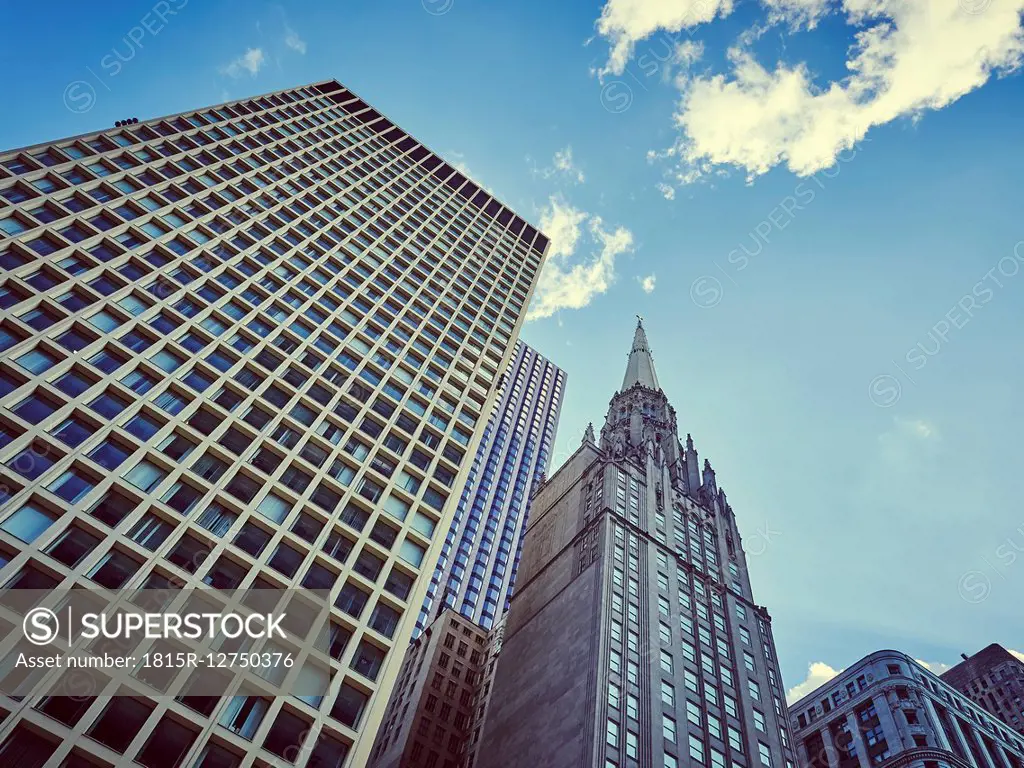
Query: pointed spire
x=588 y=436
x=640 y=368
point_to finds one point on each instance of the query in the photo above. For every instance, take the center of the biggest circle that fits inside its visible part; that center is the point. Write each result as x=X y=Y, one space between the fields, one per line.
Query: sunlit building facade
x=250 y=346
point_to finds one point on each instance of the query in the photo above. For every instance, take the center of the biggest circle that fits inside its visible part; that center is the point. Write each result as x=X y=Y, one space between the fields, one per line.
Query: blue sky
x=816 y=209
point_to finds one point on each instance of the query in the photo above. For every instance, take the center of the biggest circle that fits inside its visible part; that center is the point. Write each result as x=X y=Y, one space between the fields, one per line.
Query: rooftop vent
x=129 y=121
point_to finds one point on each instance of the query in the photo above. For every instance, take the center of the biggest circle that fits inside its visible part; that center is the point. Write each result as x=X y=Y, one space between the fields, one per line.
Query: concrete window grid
x=176 y=423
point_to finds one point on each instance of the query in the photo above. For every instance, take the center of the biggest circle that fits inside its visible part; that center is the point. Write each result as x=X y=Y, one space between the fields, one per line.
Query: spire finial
x=640 y=367
x=588 y=435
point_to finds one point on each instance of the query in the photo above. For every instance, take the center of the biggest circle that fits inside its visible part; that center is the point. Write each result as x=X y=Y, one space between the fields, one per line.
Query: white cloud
x=688 y=53
x=562 y=167
x=918 y=428
x=667 y=190
x=293 y=41
x=755 y=118
x=251 y=61
x=818 y=673
x=647 y=283
x=908 y=448
x=567 y=282
x=626 y=22
x=563 y=164
x=935 y=667
x=797 y=13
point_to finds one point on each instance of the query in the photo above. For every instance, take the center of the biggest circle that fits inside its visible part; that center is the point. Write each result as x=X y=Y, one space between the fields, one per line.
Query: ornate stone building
x=889 y=711
x=633 y=638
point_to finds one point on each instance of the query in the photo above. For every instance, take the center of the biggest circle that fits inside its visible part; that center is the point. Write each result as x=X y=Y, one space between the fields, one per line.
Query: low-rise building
x=887 y=711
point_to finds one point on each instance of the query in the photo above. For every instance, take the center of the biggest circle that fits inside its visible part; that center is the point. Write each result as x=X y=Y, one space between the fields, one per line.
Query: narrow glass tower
x=477 y=570
x=633 y=638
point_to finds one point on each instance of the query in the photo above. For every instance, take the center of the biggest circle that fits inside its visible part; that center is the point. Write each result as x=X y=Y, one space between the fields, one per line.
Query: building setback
x=253 y=345
x=633 y=638
x=993 y=678
x=887 y=710
x=476 y=572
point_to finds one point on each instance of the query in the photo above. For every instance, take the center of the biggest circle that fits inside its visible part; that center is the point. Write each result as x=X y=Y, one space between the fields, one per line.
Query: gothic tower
x=633 y=638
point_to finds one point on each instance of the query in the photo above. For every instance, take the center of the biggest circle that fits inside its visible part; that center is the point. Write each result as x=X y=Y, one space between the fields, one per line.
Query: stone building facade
x=887 y=711
x=633 y=638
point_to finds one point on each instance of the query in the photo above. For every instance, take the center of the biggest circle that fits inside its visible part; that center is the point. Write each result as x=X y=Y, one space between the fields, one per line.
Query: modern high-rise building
x=993 y=678
x=887 y=710
x=633 y=638
x=249 y=346
x=477 y=569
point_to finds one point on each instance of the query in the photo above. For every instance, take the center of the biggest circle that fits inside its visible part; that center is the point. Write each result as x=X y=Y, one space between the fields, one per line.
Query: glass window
x=29 y=522
x=274 y=508
x=72 y=545
x=113 y=570
x=411 y=552
x=145 y=475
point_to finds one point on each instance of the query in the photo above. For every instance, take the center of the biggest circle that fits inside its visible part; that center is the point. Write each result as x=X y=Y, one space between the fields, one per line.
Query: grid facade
x=633 y=638
x=888 y=711
x=244 y=347
x=476 y=572
x=993 y=678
